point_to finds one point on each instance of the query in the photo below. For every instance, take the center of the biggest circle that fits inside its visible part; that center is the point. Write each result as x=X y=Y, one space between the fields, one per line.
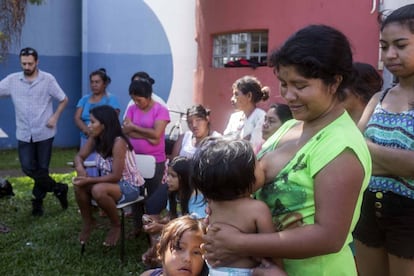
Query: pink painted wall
x=281 y=18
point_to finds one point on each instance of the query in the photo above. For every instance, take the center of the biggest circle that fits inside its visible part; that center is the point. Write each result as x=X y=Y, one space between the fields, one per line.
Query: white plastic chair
x=146 y=165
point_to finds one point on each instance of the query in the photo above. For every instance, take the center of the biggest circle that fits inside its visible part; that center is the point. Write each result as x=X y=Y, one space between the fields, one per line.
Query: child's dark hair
x=107 y=116
x=403 y=15
x=141 y=88
x=318 y=52
x=181 y=165
x=224 y=169
x=173 y=232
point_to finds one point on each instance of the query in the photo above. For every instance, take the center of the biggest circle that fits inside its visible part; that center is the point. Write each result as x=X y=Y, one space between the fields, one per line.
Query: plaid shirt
x=32 y=103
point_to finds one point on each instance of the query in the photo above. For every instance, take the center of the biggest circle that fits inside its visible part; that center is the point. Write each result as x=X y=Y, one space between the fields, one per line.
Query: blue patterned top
x=394 y=130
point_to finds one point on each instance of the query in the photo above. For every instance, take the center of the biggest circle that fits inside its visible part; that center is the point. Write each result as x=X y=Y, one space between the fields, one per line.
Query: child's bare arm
x=264 y=224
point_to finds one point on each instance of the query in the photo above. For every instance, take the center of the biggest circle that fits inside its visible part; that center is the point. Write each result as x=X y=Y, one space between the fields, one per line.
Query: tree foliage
x=12 y=18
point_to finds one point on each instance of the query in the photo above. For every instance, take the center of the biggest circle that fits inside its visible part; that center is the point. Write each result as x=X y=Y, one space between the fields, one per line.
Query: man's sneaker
x=37 y=207
x=61 y=192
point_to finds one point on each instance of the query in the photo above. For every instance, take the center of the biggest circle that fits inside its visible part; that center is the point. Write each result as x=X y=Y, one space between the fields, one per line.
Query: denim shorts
x=129 y=192
x=387 y=220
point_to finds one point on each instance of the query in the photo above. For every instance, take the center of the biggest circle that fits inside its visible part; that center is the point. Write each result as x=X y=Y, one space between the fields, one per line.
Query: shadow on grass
x=49 y=245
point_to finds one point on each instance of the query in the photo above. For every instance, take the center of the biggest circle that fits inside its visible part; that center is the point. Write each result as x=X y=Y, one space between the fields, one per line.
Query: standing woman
x=315 y=167
x=198 y=121
x=119 y=179
x=385 y=232
x=99 y=82
x=246 y=123
x=145 y=124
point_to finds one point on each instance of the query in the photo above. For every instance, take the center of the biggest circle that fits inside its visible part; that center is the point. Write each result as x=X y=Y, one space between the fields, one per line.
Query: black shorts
x=387 y=220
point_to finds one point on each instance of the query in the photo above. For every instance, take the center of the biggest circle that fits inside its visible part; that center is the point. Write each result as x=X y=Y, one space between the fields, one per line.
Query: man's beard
x=29 y=73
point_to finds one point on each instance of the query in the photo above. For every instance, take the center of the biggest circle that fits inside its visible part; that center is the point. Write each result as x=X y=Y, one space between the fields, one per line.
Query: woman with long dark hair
x=119 y=178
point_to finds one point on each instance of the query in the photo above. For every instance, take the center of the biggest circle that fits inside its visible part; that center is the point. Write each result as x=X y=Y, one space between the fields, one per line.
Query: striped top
x=130 y=173
x=394 y=130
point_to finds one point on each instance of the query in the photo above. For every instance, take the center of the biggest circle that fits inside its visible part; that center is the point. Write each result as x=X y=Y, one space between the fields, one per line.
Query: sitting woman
x=198 y=120
x=247 y=121
x=119 y=178
x=275 y=117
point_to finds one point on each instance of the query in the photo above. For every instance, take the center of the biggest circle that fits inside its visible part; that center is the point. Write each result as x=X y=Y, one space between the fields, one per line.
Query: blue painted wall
x=123 y=39
x=74 y=38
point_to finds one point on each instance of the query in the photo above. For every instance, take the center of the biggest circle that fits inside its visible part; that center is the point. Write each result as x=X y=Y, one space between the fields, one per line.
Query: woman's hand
x=80 y=180
x=153 y=227
x=220 y=244
x=127 y=125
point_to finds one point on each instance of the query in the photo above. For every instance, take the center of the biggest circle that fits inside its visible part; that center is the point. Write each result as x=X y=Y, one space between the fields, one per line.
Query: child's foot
x=113 y=235
x=86 y=232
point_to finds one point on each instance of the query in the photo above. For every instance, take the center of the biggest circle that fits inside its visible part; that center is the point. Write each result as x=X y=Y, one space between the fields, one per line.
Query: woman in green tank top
x=315 y=167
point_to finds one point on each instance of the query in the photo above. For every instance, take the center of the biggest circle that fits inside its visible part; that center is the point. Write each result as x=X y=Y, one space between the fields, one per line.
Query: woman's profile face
x=95 y=127
x=271 y=123
x=198 y=126
x=307 y=98
x=173 y=180
x=240 y=101
x=97 y=84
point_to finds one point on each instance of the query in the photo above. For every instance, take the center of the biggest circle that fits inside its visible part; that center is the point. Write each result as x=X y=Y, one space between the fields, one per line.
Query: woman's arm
x=177 y=146
x=79 y=122
x=369 y=109
x=83 y=153
x=391 y=161
x=118 y=163
x=337 y=187
x=154 y=134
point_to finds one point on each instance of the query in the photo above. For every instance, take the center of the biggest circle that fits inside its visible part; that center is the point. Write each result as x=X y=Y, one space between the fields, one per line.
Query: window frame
x=240 y=49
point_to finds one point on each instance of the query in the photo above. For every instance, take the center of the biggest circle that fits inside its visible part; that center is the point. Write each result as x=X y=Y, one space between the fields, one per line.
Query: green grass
x=49 y=245
x=9 y=158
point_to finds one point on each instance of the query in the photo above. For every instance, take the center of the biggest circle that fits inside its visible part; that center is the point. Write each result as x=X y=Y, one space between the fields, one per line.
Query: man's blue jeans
x=35 y=159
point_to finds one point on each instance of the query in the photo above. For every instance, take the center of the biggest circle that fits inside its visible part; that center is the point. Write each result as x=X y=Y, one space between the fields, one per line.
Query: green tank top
x=290 y=196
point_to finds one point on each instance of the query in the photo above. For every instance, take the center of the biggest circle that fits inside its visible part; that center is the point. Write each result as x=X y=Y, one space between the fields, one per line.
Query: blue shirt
x=86 y=106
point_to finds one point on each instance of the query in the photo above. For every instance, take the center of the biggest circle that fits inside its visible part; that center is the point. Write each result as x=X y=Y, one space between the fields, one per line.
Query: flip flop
x=4 y=228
